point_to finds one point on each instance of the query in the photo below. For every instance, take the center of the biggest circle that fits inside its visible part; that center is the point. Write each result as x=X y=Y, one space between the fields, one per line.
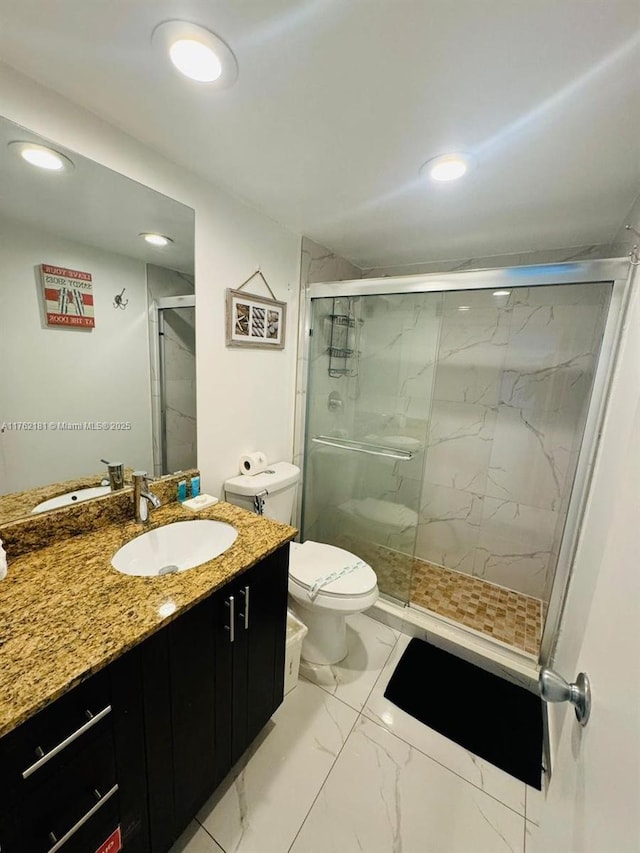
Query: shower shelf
x=343 y=341
x=344 y=320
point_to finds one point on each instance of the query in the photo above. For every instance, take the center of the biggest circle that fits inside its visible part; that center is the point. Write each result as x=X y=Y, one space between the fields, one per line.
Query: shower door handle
x=363 y=447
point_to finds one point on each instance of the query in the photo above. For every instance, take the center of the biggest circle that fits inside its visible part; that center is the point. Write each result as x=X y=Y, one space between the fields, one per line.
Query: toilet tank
x=279 y=481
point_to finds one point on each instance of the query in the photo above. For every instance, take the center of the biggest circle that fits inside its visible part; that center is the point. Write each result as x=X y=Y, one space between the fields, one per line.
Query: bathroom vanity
x=128 y=699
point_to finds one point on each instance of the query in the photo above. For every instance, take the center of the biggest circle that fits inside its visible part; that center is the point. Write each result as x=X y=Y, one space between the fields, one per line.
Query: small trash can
x=296 y=632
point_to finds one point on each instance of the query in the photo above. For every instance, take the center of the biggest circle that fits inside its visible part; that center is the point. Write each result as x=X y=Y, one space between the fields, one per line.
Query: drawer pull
x=245 y=594
x=231 y=627
x=58 y=844
x=44 y=757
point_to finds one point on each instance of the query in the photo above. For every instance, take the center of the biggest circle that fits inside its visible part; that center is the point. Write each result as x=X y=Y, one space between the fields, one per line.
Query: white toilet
x=326 y=583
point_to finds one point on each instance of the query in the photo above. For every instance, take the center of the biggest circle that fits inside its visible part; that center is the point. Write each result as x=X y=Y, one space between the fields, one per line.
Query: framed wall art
x=255 y=321
x=68 y=296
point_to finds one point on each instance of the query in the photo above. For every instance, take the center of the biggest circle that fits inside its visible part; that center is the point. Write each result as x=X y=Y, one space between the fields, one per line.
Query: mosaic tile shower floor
x=505 y=615
x=500 y=613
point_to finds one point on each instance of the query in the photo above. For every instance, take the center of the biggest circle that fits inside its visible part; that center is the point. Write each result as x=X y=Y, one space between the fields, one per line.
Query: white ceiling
x=338 y=103
x=93 y=205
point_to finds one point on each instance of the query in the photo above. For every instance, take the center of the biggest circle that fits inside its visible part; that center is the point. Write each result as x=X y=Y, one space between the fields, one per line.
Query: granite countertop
x=65 y=612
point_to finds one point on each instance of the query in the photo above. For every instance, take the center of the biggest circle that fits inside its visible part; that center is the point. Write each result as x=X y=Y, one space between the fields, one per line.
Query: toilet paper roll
x=253 y=463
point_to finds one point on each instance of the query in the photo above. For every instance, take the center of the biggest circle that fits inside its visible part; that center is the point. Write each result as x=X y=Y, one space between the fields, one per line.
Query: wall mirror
x=97 y=347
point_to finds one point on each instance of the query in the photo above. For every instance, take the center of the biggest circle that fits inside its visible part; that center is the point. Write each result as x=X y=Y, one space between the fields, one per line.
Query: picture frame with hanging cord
x=254 y=321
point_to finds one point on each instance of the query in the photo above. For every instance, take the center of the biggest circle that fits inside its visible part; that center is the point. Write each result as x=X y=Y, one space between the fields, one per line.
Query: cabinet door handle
x=76 y=826
x=245 y=593
x=44 y=757
x=231 y=627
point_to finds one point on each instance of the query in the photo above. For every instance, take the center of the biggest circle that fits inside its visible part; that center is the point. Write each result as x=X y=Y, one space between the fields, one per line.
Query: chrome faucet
x=116 y=475
x=143 y=496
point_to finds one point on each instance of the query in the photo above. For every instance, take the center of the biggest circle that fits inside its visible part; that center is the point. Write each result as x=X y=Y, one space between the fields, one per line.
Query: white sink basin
x=70 y=498
x=174 y=548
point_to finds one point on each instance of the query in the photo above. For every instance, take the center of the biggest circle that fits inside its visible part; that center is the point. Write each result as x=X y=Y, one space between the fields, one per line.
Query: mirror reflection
x=97 y=326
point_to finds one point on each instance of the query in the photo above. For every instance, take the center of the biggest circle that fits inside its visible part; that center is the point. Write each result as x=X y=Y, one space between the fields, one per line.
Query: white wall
x=69 y=374
x=245 y=398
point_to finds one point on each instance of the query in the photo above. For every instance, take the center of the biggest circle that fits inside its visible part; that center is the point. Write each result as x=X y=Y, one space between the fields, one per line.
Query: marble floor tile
x=261 y=804
x=535 y=803
x=384 y=796
x=477 y=771
x=370 y=644
x=195 y=840
x=530 y=833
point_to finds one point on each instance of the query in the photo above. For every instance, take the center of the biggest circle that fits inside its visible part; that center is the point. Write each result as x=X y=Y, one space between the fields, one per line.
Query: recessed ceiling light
x=501 y=292
x=463 y=307
x=197 y=53
x=195 y=60
x=446 y=167
x=156 y=239
x=42 y=156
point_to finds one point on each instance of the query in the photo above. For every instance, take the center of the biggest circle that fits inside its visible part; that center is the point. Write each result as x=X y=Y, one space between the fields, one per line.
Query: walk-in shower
x=450 y=423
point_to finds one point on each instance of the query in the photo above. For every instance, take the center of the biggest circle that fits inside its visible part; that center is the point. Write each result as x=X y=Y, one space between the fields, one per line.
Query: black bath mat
x=491 y=717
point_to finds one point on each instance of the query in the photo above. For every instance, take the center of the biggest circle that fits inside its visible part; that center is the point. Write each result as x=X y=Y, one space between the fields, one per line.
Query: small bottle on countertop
x=182 y=490
x=195 y=487
x=3 y=562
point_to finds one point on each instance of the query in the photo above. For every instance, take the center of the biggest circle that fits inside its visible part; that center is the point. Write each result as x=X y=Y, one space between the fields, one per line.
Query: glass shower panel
x=178 y=388
x=513 y=377
x=369 y=396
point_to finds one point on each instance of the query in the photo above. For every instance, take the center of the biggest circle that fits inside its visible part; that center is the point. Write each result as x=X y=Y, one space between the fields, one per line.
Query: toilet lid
x=313 y=560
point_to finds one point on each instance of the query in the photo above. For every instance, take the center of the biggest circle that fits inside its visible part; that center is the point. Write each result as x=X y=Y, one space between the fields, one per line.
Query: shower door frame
x=615 y=271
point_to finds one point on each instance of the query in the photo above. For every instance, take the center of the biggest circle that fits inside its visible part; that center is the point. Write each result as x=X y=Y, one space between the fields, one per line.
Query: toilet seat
x=324 y=612
x=311 y=561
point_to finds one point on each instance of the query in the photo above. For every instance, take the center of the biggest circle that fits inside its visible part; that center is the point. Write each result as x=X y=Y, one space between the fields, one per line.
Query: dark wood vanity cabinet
x=225 y=662
x=58 y=775
x=140 y=746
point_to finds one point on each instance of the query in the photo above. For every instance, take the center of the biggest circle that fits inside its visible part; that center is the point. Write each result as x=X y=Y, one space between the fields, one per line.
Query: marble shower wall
x=513 y=377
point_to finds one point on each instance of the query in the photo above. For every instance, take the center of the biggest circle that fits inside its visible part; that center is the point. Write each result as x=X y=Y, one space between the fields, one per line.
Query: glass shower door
x=177 y=354
x=369 y=397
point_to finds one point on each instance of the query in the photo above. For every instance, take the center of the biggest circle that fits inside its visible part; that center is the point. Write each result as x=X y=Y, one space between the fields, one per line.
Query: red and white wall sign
x=68 y=296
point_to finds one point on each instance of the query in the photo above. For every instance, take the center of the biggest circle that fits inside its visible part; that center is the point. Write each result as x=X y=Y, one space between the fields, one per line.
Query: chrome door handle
x=554 y=688
x=58 y=842
x=92 y=720
x=231 y=627
x=245 y=594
